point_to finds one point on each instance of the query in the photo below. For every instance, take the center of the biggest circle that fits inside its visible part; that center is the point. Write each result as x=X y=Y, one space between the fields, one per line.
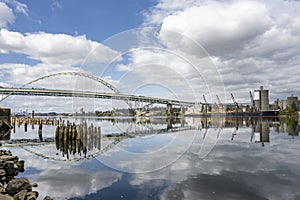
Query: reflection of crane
x=205 y=105
x=210 y=139
x=234 y=133
x=252 y=134
x=204 y=134
x=234 y=101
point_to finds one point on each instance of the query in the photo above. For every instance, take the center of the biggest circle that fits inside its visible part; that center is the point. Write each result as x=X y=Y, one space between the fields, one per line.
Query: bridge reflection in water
x=84 y=140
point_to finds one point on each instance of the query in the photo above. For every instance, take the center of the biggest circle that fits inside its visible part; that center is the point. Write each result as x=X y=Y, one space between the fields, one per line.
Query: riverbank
x=12 y=188
x=294 y=114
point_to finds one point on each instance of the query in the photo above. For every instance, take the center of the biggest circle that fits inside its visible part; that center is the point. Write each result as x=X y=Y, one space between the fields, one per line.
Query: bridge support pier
x=181 y=110
x=169 y=109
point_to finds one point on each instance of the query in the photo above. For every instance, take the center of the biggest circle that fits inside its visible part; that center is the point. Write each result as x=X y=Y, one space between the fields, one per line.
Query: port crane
x=204 y=99
x=220 y=105
x=234 y=101
x=252 y=101
x=206 y=104
x=251 y=98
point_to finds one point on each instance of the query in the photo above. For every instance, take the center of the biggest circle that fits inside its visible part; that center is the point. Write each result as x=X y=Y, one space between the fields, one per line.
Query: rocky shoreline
x=12 y=188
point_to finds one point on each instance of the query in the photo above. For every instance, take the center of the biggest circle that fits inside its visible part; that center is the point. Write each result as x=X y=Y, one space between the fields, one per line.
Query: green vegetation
x=290 y=122
x=289 y=111
x=104 y=113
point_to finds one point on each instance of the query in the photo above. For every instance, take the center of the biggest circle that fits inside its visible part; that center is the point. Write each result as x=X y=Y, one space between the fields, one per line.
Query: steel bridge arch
x=95 y=78
x=74 y=73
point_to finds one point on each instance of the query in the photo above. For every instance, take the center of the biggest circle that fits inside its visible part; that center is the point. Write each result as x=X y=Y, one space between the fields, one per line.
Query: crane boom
x=219 y=101
x=205 y=108
x=234 y=101
x=251 y=97
x=204 y=99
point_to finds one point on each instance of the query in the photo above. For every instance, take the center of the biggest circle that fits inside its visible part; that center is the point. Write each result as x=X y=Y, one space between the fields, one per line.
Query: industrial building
x=261 y=99
x=289 y=102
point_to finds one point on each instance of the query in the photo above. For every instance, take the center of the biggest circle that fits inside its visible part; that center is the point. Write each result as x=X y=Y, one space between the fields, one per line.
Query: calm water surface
x=189 y=158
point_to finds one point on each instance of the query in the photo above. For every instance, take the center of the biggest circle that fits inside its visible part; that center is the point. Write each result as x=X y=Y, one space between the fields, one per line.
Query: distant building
x=290 y=101
x=261 y=99
x=282 y=104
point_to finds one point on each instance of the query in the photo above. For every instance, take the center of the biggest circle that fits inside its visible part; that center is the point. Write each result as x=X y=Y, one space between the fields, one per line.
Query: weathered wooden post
x=69 y=131
x=78 y=137
x=66 y=132
x=85 y=133
x=89 y=138
x=40 y=132
x=14 y=125
x=99 y=138
x=25 y=126
x=60 y=121
x=61 y=132
x=74 y=138
x=57 y=133
x=73 y=131
x=95 y=137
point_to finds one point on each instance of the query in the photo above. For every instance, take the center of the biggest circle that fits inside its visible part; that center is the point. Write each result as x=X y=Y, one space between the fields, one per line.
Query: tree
x=294 y=107
x=82 y=111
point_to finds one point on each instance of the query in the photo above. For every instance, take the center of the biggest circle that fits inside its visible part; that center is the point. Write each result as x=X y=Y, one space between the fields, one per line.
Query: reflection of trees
x=226 y=122
x=72 y=139
x=171 y=121
x=143 y=120
x=235 y=122
x=289 y=125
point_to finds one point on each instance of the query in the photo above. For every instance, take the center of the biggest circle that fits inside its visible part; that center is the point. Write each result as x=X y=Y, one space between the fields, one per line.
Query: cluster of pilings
x=27 y=121
x=72 y=138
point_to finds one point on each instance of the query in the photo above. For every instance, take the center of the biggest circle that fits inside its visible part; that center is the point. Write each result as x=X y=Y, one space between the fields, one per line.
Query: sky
x=166 y=48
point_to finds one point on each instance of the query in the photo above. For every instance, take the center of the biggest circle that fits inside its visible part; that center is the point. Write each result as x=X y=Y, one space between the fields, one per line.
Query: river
x=160 y=158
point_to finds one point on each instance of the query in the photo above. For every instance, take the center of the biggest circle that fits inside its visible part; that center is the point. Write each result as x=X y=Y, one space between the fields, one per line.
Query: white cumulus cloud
x=219 y=27
x=6 y=15
x=55 y=48
x=18 y=6
x=253 y=43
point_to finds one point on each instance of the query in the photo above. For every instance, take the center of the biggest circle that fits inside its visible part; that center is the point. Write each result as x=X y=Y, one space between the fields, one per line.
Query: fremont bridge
x=114 y=95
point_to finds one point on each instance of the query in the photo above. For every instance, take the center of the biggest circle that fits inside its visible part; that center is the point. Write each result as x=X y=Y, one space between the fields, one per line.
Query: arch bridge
x=114 y=95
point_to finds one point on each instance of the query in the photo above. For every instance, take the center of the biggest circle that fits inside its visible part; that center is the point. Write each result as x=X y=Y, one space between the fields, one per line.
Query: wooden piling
x=66 y=132
x=25 y=126
x=40 y=132
x=99 y=138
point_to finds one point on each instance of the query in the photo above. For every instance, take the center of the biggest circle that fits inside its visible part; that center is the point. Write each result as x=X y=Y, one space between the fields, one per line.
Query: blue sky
x=96 y=19
x=197 y=47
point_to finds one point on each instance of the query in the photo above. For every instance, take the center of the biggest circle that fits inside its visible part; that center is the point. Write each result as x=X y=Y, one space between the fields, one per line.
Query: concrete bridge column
x=169 y=109
x=181 y=110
